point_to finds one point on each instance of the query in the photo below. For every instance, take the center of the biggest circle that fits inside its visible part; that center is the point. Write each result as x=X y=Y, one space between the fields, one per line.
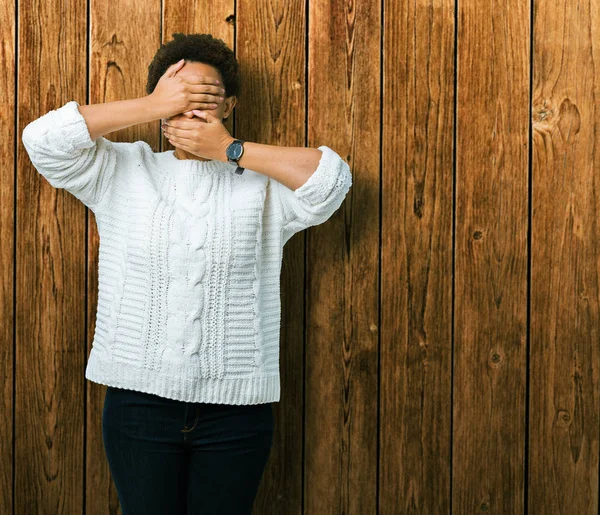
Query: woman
x=191 y=239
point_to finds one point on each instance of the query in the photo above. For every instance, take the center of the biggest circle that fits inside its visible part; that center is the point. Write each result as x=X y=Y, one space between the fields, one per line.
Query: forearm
x=112 y=116
x=291 y=166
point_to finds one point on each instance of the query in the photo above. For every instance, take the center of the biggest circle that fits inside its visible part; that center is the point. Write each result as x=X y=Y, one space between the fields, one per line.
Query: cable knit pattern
x=189 y=259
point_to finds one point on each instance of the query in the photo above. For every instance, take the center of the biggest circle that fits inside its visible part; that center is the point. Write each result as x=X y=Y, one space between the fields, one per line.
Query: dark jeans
x=172 y=457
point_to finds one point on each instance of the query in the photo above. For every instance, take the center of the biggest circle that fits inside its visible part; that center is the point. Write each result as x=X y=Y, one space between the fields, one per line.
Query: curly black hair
x=203 y=48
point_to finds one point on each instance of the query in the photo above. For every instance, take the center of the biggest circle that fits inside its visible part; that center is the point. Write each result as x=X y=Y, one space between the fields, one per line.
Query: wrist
x=150 y=108
x=223 y=150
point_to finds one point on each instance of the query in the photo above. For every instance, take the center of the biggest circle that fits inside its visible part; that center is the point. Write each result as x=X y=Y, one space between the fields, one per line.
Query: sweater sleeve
x=318 y=198
x=61 y=149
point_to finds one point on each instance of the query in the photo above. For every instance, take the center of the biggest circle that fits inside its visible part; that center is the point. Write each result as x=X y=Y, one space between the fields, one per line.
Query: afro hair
x=203 y=48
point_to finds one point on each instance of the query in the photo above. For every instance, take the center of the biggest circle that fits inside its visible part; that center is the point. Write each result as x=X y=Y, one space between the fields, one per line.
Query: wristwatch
x=234 y=153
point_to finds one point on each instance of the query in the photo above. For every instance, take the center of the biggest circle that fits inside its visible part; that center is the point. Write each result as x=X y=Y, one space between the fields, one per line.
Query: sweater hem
x=257 y=389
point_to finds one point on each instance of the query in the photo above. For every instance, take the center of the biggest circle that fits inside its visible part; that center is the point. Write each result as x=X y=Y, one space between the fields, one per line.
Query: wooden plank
x=118 y=47
x=50 y=289
x=417 y=260
x=565 y=260
x=416 y=286
x=342 y=264
x=270 y=43
x=9 y=134
x=492 y=165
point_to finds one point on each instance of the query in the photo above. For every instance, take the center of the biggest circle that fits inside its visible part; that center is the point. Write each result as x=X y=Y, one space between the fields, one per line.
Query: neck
x=182 y=154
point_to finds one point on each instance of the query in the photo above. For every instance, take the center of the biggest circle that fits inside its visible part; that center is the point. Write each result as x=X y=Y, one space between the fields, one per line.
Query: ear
x=229 y=105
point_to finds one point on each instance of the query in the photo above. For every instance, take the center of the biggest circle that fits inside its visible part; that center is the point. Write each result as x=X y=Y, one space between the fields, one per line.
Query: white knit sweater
x=189 y=259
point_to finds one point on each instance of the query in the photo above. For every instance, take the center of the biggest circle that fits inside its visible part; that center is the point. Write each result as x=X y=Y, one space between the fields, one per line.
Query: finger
x=171 y=134
x=179 y=116
x=203 y=79
x=207 y=115
x=183 y=145
x=203 y=106
x=179 y=132
x=203 y=115
x=200 y=113
x=210 y=89
x=182 y=123
x=174 y=68
x=205 y=98
x=179 y=140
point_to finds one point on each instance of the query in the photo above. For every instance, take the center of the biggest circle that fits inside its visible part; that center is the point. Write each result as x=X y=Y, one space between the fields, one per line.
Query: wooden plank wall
x=439 y=348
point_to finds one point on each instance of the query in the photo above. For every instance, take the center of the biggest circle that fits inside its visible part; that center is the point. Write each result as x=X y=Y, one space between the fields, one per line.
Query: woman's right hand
x=174 y=94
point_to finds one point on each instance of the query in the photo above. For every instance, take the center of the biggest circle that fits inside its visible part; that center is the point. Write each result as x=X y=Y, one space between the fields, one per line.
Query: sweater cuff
x=320 y=184
x=73 y=125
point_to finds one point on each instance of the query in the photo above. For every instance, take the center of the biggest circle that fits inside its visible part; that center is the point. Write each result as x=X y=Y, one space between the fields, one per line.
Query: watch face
x=234 y=151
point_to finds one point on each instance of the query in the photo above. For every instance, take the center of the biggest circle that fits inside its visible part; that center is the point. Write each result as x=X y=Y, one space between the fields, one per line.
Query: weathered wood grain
x=491 y=257
x=565 y=260
x=342 y=264
x=51 y=288
x=8 y=160
x=416 y=258
x=439 y=335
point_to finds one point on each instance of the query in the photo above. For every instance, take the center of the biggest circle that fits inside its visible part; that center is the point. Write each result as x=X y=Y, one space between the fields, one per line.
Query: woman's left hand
x=204 y=135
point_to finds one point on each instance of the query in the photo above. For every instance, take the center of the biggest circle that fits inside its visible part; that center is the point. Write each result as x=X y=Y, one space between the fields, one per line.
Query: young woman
x=188 y=317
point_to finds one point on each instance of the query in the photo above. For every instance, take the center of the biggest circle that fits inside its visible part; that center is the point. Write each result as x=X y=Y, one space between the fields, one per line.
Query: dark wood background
x=439 y=348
